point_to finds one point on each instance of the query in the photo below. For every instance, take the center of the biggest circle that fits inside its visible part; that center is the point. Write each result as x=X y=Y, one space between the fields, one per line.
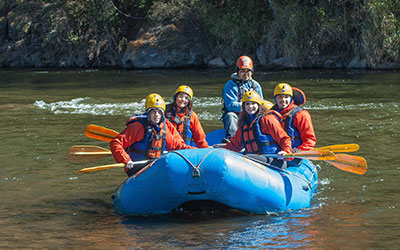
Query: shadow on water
x=191 y=212
x=219 y=229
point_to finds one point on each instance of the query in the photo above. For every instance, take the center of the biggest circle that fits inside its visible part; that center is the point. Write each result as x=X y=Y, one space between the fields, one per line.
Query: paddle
x=350 y=163
x=100 y=133
x=83 y=153
x=103 y=167
x=115 y=165
x=333 y=148
x=309 y=155
x=340 y=148
x=105 y=134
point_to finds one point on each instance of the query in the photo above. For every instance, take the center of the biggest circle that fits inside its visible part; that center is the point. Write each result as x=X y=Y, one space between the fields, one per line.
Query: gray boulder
x=164 y=47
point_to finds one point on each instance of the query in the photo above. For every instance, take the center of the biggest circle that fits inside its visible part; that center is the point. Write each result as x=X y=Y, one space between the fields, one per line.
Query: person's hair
x=244 y=117
x=187 y=109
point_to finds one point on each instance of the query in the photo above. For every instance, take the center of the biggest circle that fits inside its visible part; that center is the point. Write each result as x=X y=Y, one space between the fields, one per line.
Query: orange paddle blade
x=104 y=167
x=350 y=163
x=340 y=148
x=82 y=153
x=100 y=133
x=313 y=155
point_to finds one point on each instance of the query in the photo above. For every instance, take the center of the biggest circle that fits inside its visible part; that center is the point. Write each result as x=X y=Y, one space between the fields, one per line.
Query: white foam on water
x=324 y=181
x=207 y=102
x=208 y=116
x=88 y=106
x=207 y=108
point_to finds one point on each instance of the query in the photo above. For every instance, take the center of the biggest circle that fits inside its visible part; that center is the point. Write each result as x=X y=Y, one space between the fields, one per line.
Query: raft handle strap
x=196 y=171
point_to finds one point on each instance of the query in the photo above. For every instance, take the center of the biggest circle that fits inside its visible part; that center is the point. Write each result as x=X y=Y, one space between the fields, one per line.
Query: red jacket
x=134 y=132
x=269 y=125
x=302 y=121
x=198 y=135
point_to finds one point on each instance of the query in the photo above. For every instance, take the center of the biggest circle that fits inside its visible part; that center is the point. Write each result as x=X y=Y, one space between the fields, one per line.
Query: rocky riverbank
x=56 y=34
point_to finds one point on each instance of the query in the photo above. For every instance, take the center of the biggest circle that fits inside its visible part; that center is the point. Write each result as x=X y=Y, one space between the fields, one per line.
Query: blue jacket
x=234 y=90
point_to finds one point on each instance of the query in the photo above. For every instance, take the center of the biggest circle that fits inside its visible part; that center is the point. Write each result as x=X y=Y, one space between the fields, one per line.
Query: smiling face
x=251 y=108
x=282 y=101
x=245 y=74
x=155 y=116
x=182 y=100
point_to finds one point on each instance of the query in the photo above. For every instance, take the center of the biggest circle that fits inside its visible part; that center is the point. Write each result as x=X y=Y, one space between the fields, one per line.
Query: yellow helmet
x=283 y=89
x=185 y=89
x=267 y=104
x=252 y=96
x=155 y=101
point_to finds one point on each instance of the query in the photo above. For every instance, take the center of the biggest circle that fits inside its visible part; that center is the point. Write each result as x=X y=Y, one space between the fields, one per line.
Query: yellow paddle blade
x=104 y=167
x=100 y=133
x=313 y=155
x=83 y=153
x=88 y=148
x=350 y=163
x=340 y=148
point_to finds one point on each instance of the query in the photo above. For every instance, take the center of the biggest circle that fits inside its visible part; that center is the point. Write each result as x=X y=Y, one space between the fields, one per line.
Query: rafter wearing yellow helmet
x=296 y=120
x=252 y=96
x=146 y=136
x=283 y=89
x=184 y=89
x=259 y=130
x=184 y=119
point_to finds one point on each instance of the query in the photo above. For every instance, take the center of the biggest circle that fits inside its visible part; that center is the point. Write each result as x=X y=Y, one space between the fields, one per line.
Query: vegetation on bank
x=302 y=30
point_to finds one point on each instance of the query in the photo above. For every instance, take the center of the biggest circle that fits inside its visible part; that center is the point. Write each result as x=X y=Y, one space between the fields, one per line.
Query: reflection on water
x=45 y=204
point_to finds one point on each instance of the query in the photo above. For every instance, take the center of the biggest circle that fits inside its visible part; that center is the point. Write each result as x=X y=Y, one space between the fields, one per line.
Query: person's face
x=251 y=108
x=155 y=116
x=182 y=100
x=282 y=101
x=245 y=74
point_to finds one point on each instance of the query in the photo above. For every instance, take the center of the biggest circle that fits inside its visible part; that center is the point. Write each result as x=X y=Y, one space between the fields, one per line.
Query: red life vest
x=255 y=141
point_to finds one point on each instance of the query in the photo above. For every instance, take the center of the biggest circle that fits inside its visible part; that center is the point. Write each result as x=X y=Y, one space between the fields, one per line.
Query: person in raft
x=260 y=131
x=295 y=120
x=146 y=136
x=233 y=92
x=185 y=120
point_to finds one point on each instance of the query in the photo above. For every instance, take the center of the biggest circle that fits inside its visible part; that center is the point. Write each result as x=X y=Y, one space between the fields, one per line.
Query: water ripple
x=207 y=108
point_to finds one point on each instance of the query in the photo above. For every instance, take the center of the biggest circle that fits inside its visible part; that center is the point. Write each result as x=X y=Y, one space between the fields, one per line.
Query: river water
x=46 y=205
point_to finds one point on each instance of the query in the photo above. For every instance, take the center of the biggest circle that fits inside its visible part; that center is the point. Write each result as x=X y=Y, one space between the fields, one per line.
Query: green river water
x=46 y=205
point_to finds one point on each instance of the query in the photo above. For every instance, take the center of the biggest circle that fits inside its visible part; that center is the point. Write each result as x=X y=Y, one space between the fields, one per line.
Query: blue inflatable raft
x=217 y=175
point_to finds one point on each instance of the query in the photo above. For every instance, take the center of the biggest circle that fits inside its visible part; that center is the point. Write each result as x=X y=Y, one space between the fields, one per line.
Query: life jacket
x=182 y=124
x=240 y=84
x=291 y=130
x=255 y=141
x=153 y=143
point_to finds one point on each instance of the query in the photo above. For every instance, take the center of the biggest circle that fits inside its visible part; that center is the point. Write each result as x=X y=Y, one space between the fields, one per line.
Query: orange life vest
x=182 y=124
x=255 y=141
